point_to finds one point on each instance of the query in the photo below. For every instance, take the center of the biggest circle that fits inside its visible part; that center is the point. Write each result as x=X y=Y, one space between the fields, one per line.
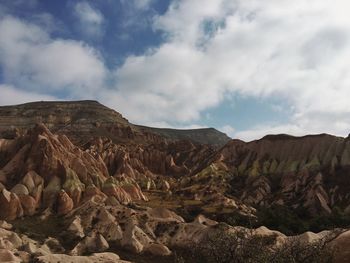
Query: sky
x=245 y=67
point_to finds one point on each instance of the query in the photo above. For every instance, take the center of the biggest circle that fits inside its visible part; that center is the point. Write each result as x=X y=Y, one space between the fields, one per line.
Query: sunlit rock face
x=107 y=180
x=309 y=171
x=82 y=144
x=42 y=170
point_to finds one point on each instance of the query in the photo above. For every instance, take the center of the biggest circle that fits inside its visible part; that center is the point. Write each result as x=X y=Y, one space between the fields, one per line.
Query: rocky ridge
x=309 y=171
x=41 y=170
x=99 y=174
x=82 y=121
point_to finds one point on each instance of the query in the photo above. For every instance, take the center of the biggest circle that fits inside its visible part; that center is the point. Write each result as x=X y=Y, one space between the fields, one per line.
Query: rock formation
x=49 y=171
x=108 y=184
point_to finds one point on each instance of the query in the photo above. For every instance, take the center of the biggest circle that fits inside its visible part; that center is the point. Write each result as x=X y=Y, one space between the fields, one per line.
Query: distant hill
x=83 y=120
x=204 y=135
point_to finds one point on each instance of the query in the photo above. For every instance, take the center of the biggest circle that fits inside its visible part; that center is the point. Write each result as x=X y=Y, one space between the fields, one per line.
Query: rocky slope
x=40 y=170
x=95 y=228
x=83 y=120
x=21 y=248
x=310 y=171
x=202 y=136
x=108 y=183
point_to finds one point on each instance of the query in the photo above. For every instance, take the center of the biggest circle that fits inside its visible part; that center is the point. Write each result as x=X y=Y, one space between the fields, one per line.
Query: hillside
x=202 y=136
x=94 y=182
x=83 y=120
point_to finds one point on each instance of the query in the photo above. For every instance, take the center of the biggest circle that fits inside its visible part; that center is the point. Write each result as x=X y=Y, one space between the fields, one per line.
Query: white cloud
x=142 y=4
x=260 y=131
x=136 y=15
x=11 y=95
x=295 y=50
x=229 y=130
x=30 y=59
x=90 y=20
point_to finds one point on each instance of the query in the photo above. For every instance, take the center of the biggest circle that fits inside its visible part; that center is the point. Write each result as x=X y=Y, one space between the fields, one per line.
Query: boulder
x=134 y=238
x=341 y=245
x=20 y=189
x=64 y=203
x=111 y=188
x=134 y=191
x=158 y=249
x=10 y=204
x=92 y=191
x=54 y=245
x=5 y=225
x=94 y=242
x=51 y=191
x=34 y=184
x=76 y=228
x=94 y=258
x=8 y=256
x=30 y=248
x=29 y=204
x=73 y=186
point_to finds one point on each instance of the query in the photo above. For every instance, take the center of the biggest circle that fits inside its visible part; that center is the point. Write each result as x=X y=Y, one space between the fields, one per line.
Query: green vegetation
x=285 y=219
x=39 y=229
x=296 y=221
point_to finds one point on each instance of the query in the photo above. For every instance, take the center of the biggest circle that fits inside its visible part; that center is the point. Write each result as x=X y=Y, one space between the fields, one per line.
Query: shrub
x=222 y=245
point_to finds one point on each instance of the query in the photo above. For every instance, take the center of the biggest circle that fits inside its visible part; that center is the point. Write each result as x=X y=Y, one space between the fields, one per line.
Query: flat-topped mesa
x=55 y=114
x=84 y=120
x=77 y=119
x=201 y=135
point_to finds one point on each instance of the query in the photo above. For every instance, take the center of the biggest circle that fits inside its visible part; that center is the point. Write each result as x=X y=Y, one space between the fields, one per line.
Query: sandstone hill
x=94 y=182
x=83 y=120
x=310 y=171
x=203 y=135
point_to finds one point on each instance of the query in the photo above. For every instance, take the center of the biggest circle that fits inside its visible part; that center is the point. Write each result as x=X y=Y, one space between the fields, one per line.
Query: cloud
x=260 y=131
x=228 y=129
x=91 y=20
x=159 y=86
x=295 y=51
x=136 y=14
x=142 y=4
x=30 y=59
x=10 y=7
x=292 y=50
x=11 y=95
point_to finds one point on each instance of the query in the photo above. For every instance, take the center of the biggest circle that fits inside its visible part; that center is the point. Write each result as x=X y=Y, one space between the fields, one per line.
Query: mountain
x=201 y=136
x=82 y=175
x=83 y=120
x=309 y=171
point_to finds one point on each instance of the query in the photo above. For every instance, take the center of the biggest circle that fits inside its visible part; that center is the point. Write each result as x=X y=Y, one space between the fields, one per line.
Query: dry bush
x=242 y=246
